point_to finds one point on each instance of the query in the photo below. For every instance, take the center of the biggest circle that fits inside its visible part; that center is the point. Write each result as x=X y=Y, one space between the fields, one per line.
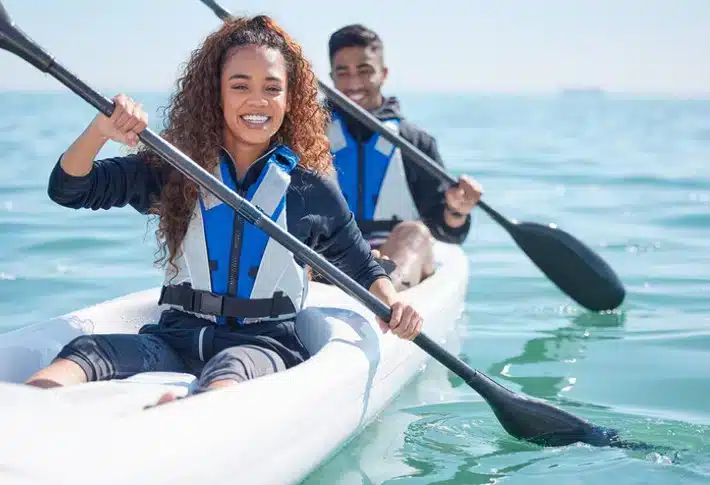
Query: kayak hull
x=271 y=430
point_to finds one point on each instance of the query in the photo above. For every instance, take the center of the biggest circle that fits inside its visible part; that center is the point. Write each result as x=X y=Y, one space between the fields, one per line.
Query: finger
x=471 y=185
x=143 y=120
x=401 y=326
x=407 y=313
x=470 y=194
x=457 y=201
x=472 y=191
x=412 y=326
x=125 y=117
x=407 y=324
x=118 y=110
x=404 y=329
x=130 y=125
x=383 y=325
x=417 y=327
x=454 y=194
x=396 y=318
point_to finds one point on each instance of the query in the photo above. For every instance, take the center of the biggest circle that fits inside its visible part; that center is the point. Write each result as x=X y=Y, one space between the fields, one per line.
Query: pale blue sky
x=644 y=46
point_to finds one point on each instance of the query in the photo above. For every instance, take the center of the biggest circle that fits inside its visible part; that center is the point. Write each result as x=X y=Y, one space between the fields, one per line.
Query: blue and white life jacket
x=231 y=264
x=371 y=176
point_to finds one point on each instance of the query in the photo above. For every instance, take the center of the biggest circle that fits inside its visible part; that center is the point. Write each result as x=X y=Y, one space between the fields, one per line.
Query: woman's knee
x=88 y=352
x=239 y=364
x=117 y=356
x=61 y=372
x=85 y=358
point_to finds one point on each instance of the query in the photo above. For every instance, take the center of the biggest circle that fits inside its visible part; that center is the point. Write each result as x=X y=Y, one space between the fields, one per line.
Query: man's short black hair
x=354 y=35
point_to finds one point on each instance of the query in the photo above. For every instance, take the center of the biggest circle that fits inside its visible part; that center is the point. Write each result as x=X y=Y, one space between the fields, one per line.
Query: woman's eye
x=239 y=86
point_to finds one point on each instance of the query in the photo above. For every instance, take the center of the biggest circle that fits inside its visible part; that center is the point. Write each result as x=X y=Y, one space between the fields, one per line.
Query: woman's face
x=254 y=94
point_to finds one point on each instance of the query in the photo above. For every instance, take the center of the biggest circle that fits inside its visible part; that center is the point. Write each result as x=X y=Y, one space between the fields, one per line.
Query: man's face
x=359 y=73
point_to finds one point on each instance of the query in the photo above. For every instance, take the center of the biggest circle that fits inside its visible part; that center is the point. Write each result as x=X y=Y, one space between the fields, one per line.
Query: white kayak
x=271 y=430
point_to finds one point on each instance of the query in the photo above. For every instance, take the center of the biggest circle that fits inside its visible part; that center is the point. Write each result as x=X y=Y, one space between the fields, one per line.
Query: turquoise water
x=628 y=176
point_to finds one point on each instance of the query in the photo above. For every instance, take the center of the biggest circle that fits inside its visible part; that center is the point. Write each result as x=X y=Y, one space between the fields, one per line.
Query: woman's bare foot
x=164 y=399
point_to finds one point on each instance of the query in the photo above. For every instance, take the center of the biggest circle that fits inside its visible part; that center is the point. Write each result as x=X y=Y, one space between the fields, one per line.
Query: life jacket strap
x=208 y=303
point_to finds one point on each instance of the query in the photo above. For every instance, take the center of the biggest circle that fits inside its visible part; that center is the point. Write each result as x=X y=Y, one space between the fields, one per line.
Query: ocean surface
x=628 y=176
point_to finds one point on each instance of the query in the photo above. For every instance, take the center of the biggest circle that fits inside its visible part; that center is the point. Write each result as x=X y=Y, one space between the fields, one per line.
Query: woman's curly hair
x=194 y=120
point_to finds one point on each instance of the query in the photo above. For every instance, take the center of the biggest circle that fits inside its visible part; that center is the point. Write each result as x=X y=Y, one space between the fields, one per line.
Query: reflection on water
x=566 y=345
x=429 y=436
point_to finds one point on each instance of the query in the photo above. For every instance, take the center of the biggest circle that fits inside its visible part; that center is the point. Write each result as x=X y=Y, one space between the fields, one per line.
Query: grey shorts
x=182 y=342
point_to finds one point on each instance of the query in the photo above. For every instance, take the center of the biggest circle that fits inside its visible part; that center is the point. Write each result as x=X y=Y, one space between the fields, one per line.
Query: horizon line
x=580 y=92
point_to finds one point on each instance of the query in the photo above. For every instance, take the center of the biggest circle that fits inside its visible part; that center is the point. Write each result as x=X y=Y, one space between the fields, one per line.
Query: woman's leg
x=239 y=364
x=101 y=357
x=234 y=365
x=61 y=372
x=410 y=246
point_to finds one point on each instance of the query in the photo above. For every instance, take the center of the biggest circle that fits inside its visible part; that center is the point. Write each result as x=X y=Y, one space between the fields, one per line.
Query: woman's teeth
x=255 y=119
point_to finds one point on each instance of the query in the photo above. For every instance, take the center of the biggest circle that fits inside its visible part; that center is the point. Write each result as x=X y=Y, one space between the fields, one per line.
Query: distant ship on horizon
x=586 y=91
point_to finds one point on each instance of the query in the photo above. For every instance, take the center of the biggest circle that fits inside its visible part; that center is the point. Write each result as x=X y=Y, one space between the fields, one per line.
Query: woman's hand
x=405 y=322
x=128 y=119
x=124 y=125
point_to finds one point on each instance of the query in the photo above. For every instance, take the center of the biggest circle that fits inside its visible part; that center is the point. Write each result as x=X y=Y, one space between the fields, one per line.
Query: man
x=398 y=206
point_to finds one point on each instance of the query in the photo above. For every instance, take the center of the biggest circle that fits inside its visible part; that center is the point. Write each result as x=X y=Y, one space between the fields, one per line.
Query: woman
x=246 y=109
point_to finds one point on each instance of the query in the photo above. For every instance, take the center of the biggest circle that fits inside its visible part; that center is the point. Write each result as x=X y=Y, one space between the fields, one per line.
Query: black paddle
x=524 y=418
x=570 y=264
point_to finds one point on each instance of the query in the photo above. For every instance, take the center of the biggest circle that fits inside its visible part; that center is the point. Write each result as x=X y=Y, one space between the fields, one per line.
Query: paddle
x=524 y=418
x=570 y=264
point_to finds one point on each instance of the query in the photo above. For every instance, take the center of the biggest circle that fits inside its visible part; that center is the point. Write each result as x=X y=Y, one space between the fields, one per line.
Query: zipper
x=360 y=214
x=235 y=252
x=236 y=249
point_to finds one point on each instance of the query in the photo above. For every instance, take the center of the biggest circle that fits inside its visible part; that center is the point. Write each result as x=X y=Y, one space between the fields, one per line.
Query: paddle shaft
x=408 y=150
x=35 y=55
x=452 y=362
x=519 y=416
x=372 y=123
x=243 y=207
x=520 y=422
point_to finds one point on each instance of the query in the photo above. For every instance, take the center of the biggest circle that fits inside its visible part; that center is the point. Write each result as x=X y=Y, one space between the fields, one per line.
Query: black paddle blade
x=537 y=421
x=217 y=9
x=12 y=39
x=6 y=26
x=571 y=265
x=523 y=418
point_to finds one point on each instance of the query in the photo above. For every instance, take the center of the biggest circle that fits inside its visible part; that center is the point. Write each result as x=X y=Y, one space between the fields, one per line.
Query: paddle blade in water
x=524 y=418
x=536 y=421
x=571 y=265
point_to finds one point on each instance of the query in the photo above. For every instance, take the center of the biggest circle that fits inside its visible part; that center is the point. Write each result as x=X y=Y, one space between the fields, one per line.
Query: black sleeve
x=113 y=182
x=334 y=233
x=428 y=193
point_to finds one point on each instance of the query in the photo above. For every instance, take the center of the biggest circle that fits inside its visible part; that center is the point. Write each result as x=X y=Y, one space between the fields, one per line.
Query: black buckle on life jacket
x=277 y=304
x=208 y=303
x=192 y=300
